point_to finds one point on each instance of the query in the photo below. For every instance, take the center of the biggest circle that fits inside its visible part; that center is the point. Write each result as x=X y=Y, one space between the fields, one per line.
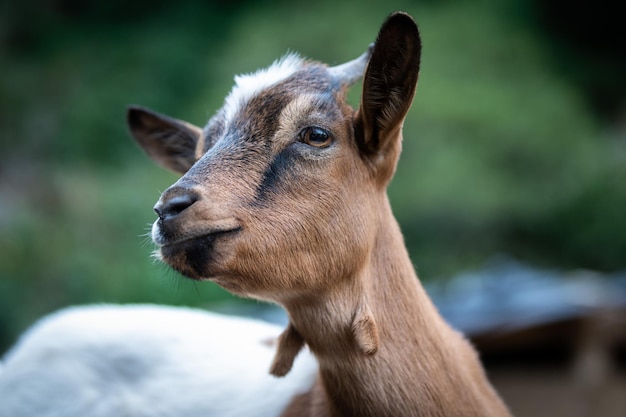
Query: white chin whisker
x=157 y=238
x=158 y=241
x=156 y=255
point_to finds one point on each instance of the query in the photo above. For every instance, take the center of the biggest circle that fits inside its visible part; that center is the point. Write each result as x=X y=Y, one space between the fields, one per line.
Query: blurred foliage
x=503 y=151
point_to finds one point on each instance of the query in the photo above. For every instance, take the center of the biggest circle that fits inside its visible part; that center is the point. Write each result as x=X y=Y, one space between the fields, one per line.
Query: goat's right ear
x=388 y=89
x=170 y=142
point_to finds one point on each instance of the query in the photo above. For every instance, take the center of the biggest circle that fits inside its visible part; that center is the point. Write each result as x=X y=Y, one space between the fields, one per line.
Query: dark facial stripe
x=277 y=172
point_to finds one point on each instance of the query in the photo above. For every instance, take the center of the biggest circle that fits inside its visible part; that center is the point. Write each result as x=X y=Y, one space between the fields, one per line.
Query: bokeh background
x=515 y=146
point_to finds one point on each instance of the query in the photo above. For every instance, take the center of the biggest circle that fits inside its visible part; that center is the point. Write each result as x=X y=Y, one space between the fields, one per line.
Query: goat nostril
x=172 y=207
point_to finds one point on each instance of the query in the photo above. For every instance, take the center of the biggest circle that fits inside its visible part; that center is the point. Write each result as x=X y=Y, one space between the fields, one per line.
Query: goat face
x=279 y=190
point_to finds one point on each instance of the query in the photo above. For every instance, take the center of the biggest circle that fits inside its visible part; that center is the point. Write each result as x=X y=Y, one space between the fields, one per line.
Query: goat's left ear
x=388 y=89
x=172 y=143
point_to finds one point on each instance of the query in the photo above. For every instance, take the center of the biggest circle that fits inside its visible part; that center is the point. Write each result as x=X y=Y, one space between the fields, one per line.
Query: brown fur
x=266 y=216
x=290 y=343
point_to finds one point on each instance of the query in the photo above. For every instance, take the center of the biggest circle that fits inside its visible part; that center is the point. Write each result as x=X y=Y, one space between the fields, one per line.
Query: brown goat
x=283 y=199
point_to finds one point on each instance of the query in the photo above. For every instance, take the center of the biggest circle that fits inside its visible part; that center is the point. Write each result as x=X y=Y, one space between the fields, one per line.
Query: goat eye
x=315 y=136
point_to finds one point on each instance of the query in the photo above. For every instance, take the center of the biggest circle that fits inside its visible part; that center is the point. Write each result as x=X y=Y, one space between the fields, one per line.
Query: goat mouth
x=196 y=257
x=199 y=238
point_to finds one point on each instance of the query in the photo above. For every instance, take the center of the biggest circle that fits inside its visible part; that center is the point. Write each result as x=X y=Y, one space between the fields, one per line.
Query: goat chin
x=144 y=360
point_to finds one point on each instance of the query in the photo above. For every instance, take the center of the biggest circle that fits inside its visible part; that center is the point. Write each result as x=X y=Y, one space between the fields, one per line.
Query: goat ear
x=170 y=142
x=388 y=89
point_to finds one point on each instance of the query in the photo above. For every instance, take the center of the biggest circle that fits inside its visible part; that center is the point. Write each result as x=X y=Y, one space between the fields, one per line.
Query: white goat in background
x=147 y=361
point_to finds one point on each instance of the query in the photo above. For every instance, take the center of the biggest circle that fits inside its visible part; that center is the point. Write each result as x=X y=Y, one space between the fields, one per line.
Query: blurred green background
x=516 y=142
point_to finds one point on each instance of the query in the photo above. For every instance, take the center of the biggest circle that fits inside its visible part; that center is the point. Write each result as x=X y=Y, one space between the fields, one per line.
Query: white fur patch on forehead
x=248 y=85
